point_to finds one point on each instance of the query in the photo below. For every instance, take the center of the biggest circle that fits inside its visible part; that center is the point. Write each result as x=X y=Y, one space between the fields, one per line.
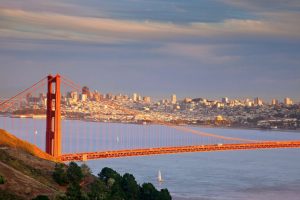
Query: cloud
x=56 y=6
x=52 y=26
x=207 y=54
x=263 y=5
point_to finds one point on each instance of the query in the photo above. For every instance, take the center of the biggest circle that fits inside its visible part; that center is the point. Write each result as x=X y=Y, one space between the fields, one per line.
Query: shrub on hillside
x=86 y=171
x=41 y=197
x=2 y=179
x=60 y=175
x=74 y=173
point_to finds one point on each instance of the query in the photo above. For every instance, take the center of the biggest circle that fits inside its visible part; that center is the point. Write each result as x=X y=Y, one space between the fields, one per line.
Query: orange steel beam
x=178 y=149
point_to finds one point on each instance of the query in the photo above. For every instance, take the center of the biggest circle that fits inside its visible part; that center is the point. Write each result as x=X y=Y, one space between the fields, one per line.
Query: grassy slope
x=10 y=140
x=26 y=168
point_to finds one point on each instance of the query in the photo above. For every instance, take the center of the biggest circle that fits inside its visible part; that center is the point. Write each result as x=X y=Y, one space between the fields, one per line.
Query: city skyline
x=210 y=49
x=95 y=95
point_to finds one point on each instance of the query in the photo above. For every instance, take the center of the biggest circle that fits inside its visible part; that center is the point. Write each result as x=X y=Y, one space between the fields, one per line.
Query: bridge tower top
x=53 y=121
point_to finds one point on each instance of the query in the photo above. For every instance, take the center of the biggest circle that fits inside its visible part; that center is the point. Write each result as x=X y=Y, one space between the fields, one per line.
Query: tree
x=116 y=193
x=61 y=197
x=41 y=197
x=98 y=190
x=107 y=173
x=148 y=192
x=2 y=179
x=130 y=187
x=74 y=191
x=59 y=174
x=164 y=195
x=74 y=173
x=85 y=170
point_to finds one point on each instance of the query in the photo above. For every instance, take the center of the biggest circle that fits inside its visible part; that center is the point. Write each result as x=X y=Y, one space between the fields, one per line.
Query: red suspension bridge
x=74 y=138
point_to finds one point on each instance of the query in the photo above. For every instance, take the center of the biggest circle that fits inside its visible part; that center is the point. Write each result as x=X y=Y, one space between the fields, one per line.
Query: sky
x=194 y=48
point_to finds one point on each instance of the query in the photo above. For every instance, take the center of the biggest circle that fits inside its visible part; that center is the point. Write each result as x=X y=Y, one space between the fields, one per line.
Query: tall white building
x=258 y=101
x=140 y=98
x=134 y=96
x=274 y=102
x=288 y=101
x=173 y=99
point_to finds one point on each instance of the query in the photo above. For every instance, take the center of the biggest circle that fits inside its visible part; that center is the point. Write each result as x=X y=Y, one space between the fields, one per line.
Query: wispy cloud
x=263 y=5
x=46 y=25
x=204 y=54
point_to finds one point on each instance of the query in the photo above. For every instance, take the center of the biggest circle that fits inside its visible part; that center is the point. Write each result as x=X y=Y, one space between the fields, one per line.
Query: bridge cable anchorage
x=185 y=129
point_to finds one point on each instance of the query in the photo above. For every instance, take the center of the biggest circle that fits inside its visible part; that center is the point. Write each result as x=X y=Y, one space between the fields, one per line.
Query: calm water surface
x=233 y=175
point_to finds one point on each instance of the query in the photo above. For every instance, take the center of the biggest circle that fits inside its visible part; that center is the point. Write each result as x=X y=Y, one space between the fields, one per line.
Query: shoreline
x=151 y=123
x=251 y=128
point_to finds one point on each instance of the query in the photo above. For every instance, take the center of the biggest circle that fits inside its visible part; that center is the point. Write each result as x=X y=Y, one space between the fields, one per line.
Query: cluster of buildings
x=92 y=105
x=225 y=112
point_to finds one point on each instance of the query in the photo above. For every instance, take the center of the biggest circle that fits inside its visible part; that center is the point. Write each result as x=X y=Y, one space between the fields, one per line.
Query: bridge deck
x=180 y=149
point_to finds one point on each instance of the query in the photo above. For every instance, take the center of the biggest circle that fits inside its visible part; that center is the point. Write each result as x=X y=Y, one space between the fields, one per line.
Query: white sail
x=159 y=178
x=118 y=139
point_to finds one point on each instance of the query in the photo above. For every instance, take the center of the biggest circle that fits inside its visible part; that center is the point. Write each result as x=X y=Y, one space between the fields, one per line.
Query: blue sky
x=195 y=48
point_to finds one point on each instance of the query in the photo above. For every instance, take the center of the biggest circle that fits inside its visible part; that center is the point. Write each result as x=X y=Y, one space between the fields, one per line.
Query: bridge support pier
x=53 y=121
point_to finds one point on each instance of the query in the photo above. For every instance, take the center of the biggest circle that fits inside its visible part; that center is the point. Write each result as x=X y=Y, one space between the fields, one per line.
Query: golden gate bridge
x=66 y=143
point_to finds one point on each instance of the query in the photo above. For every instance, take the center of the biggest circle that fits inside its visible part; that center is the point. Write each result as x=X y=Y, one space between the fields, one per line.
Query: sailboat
x=159 y=178
x=118 y=139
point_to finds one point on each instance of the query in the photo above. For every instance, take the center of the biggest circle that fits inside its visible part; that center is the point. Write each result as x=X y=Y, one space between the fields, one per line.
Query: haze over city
x=211 y=49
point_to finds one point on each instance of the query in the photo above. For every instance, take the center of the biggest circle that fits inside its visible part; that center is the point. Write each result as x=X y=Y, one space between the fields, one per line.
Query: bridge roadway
x=178 y=149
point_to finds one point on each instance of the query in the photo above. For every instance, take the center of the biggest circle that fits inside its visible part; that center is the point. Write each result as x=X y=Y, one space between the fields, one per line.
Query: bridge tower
x=53 y=126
